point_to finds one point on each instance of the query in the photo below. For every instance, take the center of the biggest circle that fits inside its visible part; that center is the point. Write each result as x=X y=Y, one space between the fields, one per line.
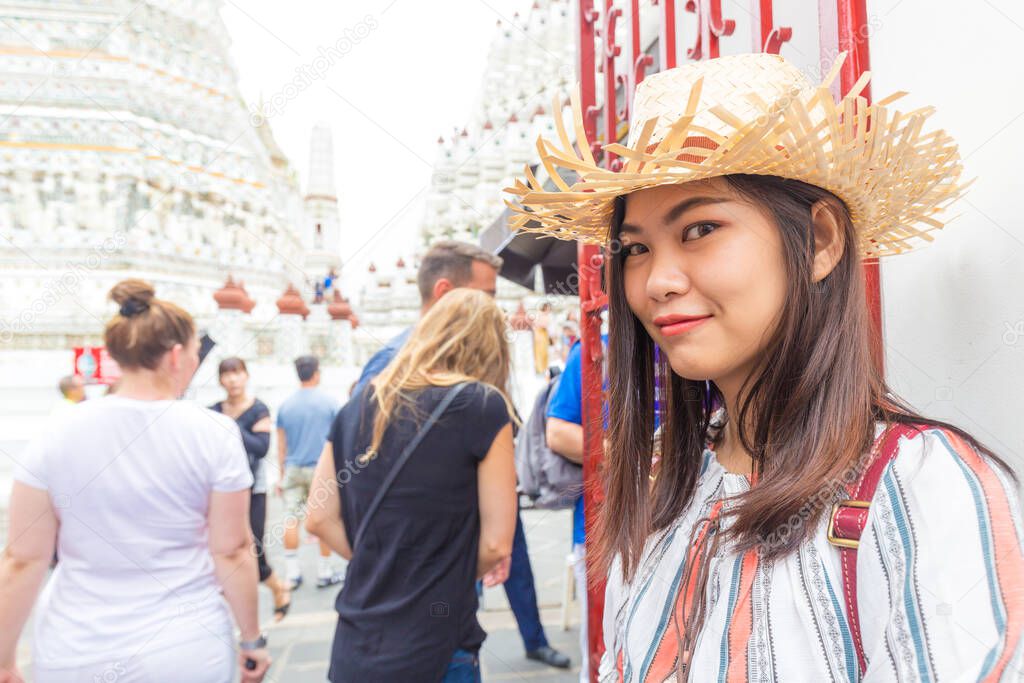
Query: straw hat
x=755 y=114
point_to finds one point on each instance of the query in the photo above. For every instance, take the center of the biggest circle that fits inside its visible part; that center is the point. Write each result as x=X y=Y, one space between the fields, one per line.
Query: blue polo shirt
x=382 y=358
x=306 y=418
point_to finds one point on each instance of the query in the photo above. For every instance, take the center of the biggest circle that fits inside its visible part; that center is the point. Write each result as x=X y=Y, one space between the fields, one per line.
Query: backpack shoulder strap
x=849 y=517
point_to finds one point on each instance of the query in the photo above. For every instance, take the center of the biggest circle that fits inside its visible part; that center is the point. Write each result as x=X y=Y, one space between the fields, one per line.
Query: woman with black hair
x=253 y=419
x=802 y=523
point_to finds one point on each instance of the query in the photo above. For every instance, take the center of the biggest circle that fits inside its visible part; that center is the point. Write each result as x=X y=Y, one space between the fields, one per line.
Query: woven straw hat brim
x=895 y=177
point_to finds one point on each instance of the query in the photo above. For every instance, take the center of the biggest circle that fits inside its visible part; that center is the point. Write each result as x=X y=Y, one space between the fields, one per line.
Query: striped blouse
x=940 y=577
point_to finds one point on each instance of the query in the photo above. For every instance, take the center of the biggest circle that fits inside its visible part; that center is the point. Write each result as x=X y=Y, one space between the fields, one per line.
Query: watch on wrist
x=257 y=644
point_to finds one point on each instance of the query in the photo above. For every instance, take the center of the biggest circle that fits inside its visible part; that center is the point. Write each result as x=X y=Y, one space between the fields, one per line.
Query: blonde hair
x=460 y=339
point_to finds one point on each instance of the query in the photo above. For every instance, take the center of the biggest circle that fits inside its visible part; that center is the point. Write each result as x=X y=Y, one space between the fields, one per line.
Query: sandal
x=281 y=611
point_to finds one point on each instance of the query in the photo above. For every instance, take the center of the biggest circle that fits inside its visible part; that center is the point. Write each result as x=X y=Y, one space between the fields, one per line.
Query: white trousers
x=210 y=660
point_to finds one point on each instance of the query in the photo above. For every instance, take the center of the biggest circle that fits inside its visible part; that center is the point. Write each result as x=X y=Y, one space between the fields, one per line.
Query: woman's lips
x=673 y=328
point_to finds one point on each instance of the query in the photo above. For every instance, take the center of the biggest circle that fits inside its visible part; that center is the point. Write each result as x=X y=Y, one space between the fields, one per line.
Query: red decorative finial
x=339 y=308
x=233 y=297
x=291 y=303
x=249 y=303
x=373 y=268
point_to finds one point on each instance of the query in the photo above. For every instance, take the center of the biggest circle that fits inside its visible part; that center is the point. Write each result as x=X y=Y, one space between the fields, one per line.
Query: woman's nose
x=667 y=277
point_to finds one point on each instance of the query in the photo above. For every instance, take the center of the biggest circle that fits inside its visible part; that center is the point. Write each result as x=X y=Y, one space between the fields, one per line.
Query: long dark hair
x=231 y=364
x=810 y=410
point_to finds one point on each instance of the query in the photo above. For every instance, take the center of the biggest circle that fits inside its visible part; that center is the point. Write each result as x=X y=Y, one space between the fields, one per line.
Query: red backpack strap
x=850 y=516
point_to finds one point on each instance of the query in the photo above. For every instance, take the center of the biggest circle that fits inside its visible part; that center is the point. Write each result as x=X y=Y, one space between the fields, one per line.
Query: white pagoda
x=127 y=150
x=322 y=234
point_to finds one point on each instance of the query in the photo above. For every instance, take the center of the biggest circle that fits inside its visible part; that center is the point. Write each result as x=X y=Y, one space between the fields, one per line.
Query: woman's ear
x=828 y=238
x=174 y=356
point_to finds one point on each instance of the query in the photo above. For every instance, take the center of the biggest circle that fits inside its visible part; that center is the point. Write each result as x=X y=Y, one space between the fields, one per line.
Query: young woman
x=253 y=419
x=407 y=611
x=146 y=500
x=735 y=235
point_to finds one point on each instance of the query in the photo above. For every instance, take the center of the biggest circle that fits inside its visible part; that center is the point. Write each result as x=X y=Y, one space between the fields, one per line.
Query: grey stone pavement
x=300 y=645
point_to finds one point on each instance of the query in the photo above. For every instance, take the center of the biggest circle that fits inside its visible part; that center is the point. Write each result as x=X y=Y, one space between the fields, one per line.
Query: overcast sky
x=410 y=71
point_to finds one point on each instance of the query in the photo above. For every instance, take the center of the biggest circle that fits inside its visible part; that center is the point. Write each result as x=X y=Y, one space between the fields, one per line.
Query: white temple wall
x=954 y=315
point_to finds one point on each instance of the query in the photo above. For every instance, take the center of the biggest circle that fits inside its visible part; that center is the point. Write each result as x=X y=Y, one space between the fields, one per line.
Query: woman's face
x=234 y=382
x=704 y=274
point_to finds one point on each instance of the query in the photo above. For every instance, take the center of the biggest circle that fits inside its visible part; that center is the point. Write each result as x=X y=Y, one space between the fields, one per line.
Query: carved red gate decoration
x=842 y=26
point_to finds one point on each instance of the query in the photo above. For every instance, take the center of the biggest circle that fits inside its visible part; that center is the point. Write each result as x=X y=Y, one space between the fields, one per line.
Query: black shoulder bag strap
x=397 y=467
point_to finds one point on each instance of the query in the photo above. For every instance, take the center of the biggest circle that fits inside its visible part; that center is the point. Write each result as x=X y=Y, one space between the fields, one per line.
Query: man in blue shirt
x=447 y=265
x=303 y=422
x=564 y=433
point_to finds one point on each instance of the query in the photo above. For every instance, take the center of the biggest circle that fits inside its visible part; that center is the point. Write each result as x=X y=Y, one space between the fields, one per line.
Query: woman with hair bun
x=146 y=500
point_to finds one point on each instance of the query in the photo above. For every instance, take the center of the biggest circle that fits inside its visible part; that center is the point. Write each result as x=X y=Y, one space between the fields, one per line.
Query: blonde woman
x=447 y=513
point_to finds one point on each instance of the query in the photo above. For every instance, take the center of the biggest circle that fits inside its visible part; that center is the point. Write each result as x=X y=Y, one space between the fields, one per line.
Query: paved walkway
x=301 y=644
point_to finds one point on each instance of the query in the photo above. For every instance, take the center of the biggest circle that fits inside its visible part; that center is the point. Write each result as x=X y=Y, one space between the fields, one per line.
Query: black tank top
x=409 y=599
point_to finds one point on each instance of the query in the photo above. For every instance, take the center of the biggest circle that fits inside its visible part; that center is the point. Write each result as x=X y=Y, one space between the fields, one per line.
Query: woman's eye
x=633 y=249
x=698 y=230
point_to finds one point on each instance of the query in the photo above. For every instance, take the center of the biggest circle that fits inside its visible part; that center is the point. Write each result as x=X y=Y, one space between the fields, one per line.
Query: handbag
x=402 y=459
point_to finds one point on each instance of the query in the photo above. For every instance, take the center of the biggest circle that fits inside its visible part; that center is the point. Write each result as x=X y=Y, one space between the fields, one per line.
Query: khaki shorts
x=295 y=488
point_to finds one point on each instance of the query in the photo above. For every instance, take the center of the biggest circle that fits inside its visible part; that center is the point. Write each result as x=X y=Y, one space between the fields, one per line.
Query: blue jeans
x=521 y=594
x=464 y=668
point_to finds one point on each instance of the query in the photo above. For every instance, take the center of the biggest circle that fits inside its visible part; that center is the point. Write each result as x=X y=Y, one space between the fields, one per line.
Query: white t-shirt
x=130 y=481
